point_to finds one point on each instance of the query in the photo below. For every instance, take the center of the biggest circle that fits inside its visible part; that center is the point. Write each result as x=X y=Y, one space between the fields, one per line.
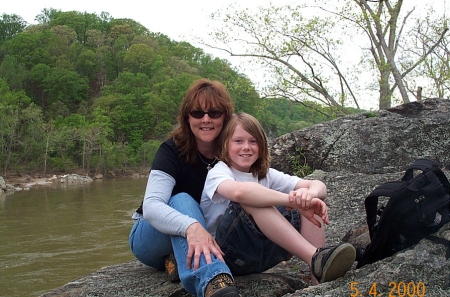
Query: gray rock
x=135 y=279
x=352 y=155
x=74 y=179
x=375 y=142
x=27 y=184
x=2 y=184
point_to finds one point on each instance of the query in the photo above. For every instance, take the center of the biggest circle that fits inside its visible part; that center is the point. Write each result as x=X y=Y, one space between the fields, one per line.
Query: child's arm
x=305 y=191
x=317 y=207
x=252 y=194
x=256 y=195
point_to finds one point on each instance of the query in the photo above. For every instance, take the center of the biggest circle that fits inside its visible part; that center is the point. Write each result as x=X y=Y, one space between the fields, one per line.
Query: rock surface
x=375 y=142
x=25 y=184
x=352 y=155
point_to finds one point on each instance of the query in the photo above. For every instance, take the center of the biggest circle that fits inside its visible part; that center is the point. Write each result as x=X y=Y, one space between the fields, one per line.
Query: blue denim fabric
x=247 y=250
x=151 y=247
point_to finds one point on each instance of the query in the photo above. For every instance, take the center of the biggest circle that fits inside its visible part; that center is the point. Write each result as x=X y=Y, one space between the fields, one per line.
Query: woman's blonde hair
x=212 y=94
x=252 y=126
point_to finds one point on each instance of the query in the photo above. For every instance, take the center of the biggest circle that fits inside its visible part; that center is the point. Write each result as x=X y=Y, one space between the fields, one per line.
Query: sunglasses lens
x=214 y=114
x=197 y=114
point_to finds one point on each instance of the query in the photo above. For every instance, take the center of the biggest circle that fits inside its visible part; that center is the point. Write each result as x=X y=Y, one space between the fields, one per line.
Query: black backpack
x=417 y=207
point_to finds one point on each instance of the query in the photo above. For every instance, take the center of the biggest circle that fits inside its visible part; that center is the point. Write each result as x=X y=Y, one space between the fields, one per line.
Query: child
x=260 y=216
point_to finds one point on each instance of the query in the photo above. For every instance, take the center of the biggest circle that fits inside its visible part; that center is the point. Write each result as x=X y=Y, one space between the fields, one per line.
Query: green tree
x=108 y=89
x=433 y=76
x=95 y=136
x=67 y=87
x=37 y=77
x=62 y=46
x=290 y=46
x=65 y=149
x=139 y=58
x=13 y=72
x=87 y=64
x=47 y=15
x=20 y=133
x=27 y=49
x=81 y=22
x=135 y=27
x=146 y=153
x=10 y=26
x=384 y=26
x=303 y=52
x=125 y=103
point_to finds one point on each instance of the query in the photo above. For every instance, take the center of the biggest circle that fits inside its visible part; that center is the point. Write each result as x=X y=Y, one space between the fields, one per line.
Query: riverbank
x=25 y=181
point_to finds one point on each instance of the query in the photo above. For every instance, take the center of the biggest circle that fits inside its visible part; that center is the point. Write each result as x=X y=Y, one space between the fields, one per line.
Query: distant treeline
x=81 y=90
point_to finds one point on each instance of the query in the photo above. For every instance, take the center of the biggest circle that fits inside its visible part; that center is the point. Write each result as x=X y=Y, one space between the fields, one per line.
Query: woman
x=170 y=219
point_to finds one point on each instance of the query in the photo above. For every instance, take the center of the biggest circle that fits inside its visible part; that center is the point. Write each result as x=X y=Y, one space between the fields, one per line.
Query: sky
x=180 y=20
x=177 y=19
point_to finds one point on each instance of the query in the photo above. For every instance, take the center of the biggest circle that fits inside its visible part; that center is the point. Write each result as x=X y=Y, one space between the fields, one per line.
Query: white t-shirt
x=214 y=205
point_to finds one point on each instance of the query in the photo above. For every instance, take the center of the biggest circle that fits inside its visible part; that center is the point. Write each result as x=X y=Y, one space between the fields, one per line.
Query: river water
x=51 y=235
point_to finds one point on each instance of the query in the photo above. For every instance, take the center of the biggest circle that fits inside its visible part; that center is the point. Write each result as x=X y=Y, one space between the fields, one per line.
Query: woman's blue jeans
x=151 y=247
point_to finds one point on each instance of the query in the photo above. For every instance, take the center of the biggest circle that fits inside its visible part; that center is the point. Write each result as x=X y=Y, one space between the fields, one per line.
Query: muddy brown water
x=51 y=235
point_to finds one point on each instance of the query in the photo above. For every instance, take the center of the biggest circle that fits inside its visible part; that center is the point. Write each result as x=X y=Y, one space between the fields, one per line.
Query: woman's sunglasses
x=199 y=114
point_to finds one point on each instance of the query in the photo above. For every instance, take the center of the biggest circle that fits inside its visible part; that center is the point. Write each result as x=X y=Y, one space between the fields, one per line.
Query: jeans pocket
x=240 y=263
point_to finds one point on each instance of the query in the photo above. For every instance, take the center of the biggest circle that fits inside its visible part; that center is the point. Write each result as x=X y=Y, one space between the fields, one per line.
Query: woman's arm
x=170 y=221
x=155 y=209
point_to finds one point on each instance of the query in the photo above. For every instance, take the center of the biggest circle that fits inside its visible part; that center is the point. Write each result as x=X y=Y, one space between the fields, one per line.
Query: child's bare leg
x=312 y=233
x=272 y=223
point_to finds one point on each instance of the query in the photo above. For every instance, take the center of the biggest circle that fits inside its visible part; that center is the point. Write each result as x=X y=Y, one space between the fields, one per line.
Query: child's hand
x=317 y=207
x=302 y=197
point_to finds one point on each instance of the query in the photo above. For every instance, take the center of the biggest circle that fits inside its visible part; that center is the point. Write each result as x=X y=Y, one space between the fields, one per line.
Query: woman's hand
x=200 y=241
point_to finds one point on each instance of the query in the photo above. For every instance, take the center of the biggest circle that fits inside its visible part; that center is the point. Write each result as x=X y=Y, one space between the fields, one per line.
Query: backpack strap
x=388 y=189
x=378 y=238
x=420 y=164
x=427 y=165
x=442 y=241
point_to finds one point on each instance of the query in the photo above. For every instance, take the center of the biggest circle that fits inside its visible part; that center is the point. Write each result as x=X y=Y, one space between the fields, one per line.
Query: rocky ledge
x=352 y=155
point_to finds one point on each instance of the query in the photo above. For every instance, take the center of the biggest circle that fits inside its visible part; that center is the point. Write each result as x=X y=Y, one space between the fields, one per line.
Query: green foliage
x=10 y=25
x=80 y=90
x=13 y=72
x=299 y=164
x=20 y=129
x=280 y=116
x=146 y=153
x=26 y=48
x=58 y=163
x=371 y=114
x=67 y=87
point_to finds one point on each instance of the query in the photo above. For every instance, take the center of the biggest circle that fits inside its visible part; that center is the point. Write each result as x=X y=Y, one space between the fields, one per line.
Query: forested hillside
x=80 y=90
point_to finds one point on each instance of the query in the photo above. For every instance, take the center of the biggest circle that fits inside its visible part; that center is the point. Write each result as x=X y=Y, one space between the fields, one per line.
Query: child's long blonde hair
x=252 y=126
